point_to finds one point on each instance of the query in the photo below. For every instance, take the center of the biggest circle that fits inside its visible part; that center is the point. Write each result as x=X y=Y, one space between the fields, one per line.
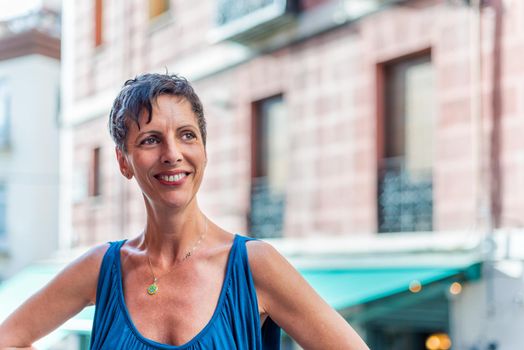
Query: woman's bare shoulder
x=84 y=270
x=261 y=253
x=92 y=258
x=265 y=263
x=95 y=254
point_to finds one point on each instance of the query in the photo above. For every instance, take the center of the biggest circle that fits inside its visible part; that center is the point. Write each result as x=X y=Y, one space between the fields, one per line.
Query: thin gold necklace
x=153 y=287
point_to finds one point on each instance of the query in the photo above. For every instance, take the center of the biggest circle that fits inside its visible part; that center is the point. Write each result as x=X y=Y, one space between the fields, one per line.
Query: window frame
x=383 y=162
x=266 y=202
x=98 y=23
x=94 y=187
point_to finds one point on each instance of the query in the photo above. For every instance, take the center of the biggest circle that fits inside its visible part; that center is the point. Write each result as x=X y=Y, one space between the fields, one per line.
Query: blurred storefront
x=397 y=293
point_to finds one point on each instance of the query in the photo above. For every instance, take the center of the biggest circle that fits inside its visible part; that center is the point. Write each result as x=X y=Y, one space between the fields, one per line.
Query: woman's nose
x=171 y=153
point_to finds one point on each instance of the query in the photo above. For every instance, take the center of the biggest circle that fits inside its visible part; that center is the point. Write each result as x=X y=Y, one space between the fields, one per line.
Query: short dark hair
x=137 y=96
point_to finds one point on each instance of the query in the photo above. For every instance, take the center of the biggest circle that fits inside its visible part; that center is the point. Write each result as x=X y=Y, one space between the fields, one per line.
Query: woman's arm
x=62 y=298
x=295 y=306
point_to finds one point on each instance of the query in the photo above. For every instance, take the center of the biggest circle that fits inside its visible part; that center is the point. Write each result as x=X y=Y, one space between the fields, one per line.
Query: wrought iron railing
x=266 y=216
x=405 y=198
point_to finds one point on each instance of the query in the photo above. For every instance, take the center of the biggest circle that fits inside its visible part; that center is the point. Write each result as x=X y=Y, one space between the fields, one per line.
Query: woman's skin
x=188 y=289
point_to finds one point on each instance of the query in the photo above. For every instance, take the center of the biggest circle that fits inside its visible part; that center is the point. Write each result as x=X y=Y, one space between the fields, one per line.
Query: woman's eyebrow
x=186 y=126
x=148 y=132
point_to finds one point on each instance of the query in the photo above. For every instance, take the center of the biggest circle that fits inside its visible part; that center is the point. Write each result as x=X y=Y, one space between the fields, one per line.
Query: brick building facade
x=331 y=80
x=352 y=118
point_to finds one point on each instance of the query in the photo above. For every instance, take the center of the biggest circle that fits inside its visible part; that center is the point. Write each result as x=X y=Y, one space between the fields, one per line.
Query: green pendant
x=152 y=289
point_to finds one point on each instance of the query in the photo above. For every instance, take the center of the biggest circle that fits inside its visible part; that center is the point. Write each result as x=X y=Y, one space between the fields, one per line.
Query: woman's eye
x=149 y=140
x=188 y=135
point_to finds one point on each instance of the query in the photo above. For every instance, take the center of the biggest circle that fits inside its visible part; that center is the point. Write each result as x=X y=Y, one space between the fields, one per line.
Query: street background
x=377 y=144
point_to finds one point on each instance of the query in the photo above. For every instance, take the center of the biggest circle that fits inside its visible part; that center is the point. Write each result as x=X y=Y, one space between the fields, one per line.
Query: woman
x=184 y=282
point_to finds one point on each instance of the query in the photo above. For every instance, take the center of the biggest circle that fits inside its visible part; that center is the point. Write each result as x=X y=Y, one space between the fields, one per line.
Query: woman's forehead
x=169 y=110
x=170 y=102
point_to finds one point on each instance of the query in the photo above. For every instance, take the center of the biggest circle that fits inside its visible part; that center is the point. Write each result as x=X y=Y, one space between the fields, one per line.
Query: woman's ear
x=122 y=163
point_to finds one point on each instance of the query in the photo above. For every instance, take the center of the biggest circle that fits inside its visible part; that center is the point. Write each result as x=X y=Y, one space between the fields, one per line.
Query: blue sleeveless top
x=235 y=323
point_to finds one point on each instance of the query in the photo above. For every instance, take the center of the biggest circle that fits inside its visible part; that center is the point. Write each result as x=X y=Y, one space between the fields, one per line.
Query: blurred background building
x=376 y=143
x=29 y=109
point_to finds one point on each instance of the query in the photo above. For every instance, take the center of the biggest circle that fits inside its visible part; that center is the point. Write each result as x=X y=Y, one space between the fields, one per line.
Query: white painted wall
x=66 y=141
x=30 y=167
x=491 y=310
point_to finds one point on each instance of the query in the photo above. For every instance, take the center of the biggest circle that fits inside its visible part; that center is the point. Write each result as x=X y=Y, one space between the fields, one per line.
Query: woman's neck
x=170 y=234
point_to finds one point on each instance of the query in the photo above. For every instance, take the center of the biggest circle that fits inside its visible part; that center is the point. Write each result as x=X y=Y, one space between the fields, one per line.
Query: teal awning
x=24 y=284
x=341 y=288
x=344 y=288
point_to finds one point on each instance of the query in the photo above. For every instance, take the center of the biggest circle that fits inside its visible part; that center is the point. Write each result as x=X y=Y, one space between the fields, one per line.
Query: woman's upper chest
x=184 y=304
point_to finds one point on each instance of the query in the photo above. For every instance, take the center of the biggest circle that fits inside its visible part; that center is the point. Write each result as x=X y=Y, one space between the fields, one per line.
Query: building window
x=270 y=167
x=94 y=173
x=158 y=8
x=99 y=22
x=5 y=110
x=405 y=198
x=3 y=210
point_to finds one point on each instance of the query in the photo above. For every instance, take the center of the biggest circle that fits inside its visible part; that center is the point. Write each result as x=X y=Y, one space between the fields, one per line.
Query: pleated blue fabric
x=235 y=324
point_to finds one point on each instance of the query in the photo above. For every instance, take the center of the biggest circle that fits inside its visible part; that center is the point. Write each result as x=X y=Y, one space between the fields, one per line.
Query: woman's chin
x=169 y=201
x=174 y=203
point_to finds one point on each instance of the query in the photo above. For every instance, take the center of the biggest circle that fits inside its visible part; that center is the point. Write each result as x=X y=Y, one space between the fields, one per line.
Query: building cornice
x=376 y=251
x=28 y=43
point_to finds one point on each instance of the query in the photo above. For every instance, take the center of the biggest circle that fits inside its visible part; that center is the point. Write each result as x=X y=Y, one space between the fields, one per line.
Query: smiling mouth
x=172 y=178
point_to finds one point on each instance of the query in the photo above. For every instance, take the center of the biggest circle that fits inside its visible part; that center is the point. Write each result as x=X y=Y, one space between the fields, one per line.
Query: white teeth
x=172 y=178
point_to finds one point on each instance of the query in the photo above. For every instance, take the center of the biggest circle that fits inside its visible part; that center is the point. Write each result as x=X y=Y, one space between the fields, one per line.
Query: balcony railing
x=405 y=198
x=250 y=20
x=229 y=11
x=267 y=210
x=44 y=20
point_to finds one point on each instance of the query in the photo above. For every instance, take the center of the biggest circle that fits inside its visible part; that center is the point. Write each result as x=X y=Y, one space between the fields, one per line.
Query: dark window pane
x=405 y=198
x=270 y=167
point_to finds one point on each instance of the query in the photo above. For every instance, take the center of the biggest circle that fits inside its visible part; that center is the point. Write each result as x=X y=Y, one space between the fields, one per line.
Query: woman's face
x=167 y=156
